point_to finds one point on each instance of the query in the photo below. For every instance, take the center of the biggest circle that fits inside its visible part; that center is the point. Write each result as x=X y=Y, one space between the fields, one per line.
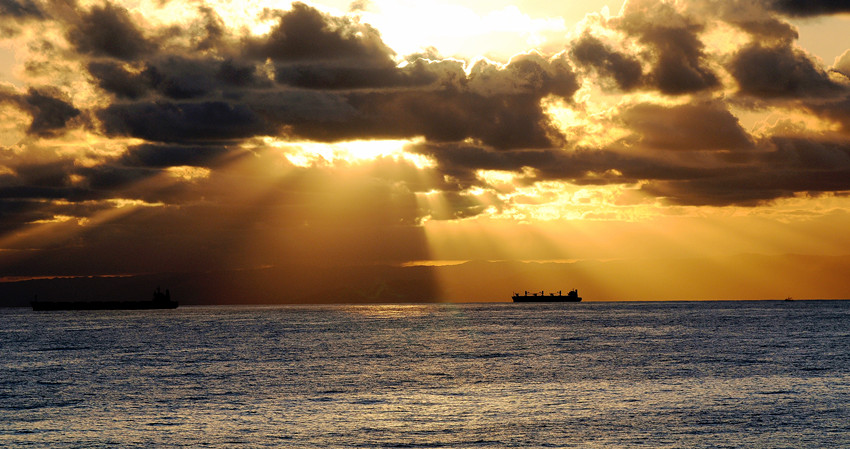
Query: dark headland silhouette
x=572 y=296
x=161 y=300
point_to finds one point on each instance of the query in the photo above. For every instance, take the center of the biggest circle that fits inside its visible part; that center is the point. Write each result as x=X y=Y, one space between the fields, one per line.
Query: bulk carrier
x=572 y=296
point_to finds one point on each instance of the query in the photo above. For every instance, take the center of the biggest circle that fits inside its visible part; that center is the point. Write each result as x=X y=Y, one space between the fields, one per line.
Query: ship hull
x=551 y=298
x=103 y=305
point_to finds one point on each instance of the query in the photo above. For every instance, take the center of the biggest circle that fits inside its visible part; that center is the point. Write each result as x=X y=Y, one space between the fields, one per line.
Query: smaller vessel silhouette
x=161 y=300
x=572 y=296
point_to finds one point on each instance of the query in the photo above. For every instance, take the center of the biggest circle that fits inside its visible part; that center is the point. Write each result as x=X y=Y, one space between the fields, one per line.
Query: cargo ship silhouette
x=572 y=296
x=161 y=300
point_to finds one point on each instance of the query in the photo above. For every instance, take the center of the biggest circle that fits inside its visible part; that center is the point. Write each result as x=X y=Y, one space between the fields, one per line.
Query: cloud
x=737 y=170
x=156 y=102
x=679 y=63
x=106 y=180
x=328 y=79
x=779 y=72
x=332 y=76
x=498 y=105
x=210 y=121
x=114 y=78
x=14 y=14
x=767 y=29
x=783 y=167
x=305 y=34
x=50 y=114
x=688 y=127
x=174 y=77
x=591 y=52
x=580 y=166
x=835 y=110
x=163 y=156
x=805 y=8
x=110 y=31
x=842 y=64
x=20 y=9
x=212 y=30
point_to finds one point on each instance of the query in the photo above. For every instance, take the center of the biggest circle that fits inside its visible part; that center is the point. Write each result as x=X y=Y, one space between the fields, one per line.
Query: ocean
x=719 y=374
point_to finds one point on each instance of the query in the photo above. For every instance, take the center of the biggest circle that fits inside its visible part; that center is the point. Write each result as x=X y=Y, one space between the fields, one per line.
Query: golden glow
x=593 y=254
x=60 y=228
x=306 y=154
x=270 y=197
x=54 y=219
x=433 y=263
x=387 y=311
x=122 y=202
x=458 y=29
x=187 y=173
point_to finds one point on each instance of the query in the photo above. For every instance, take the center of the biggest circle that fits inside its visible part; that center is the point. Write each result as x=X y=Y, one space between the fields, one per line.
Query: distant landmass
x=733 y=277
x=160 y=300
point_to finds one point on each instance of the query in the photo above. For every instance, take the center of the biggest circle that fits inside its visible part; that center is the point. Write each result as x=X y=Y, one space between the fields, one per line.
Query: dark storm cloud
x=314 y=50
x=810 y=154
x=535 y=75
x=15 y=211
x=179 y=78
x=837 y=110
x=810 y=7
x=52 y=183
x=677 y=54
x=27 y=193
x=108 y=30
x=762 y=172
x=20 y=9
x=331 y=76
x=779 y=72
x=236 y=74
x=514 y=121
x=782 y=168
x=589 y=51
x=108 y=179
x=768 y=28
x=50 y=114
x=748 y=187
x=14 y=14
x=324 y=78
x=175 y=77
x=306 y=34
x=53 y=174
x=579 y=166
x=700 y=126
x=332 y=79
x=211 y=121
x=212 y=30
x=150 y=155
x=501 y=107
x=38 y=176
x=113 y=78
x=252 y=114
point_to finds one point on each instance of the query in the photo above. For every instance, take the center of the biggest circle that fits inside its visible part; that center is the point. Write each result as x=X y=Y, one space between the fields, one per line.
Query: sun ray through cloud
x=224 y=136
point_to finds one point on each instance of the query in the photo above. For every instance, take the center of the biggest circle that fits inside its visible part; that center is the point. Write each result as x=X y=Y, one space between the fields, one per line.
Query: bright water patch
x=712 y=374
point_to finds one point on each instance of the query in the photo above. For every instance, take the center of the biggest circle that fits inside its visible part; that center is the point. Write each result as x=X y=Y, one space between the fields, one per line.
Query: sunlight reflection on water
x=711 y=374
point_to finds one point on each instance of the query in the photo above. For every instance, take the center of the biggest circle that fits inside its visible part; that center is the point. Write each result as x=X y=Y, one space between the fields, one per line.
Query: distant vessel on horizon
x=161 y=300
x=572 y=296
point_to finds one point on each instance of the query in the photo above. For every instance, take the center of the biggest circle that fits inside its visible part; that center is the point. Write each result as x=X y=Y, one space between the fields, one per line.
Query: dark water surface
x=689 y=374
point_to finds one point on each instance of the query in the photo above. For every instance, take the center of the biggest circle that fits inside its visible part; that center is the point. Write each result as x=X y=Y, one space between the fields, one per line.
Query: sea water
x=766 y=374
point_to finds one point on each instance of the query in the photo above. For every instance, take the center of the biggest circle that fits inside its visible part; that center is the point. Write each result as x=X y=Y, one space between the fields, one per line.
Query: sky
x=161 y=136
